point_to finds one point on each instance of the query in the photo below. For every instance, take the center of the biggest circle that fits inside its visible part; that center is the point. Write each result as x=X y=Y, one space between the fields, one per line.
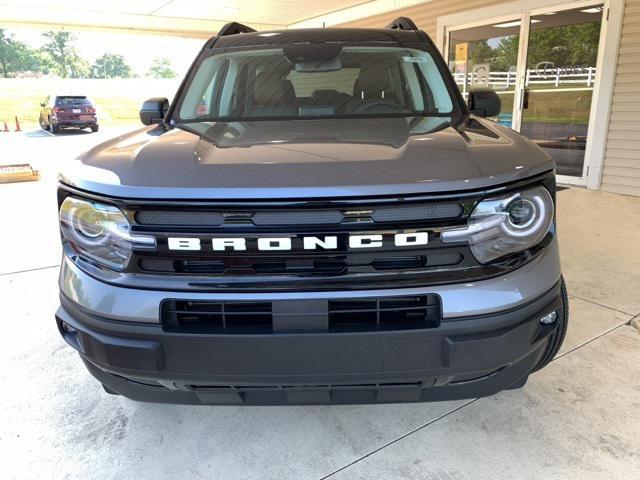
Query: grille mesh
x=177 y=217
x=417 y=212
x=310 y=217
x=303 y=217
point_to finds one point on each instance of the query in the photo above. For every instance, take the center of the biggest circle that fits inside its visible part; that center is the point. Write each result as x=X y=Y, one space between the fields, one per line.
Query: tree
x=16 y=57
x=63 y=57
x=506 y=54
x=480 y=52
x=161 y=68
x=565 y=46
x=110 y=65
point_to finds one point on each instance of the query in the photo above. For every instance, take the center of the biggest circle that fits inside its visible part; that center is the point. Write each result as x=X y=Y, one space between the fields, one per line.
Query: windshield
x=313 y=81
x=69 y=100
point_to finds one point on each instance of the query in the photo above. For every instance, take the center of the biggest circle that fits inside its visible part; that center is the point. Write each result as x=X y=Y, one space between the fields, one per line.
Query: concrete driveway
x=577 y=419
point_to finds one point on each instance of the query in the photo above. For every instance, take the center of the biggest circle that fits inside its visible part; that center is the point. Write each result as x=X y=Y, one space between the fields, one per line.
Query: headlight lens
x=100 y=233
x=507 y=224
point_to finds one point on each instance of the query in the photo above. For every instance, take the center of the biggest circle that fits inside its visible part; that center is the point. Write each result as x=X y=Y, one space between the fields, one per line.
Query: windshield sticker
x=415 y=59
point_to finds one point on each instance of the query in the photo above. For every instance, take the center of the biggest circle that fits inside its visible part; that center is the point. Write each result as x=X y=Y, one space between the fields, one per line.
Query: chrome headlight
x=507 y=224
x=100 y=233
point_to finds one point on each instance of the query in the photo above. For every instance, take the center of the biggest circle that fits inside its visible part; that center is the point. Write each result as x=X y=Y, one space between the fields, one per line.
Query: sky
x=138 y=50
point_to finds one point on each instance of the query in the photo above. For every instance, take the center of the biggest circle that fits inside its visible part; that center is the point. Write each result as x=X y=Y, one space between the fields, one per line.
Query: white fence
x=553 y=77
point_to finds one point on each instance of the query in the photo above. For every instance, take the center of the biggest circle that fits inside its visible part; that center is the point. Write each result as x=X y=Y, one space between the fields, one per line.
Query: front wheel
x=557 y=337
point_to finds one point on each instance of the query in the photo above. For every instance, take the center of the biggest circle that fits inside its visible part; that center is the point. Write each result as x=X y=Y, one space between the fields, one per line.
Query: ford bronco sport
x=318 y=217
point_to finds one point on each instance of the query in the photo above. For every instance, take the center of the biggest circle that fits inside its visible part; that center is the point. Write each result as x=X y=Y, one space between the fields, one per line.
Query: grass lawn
x=571 y=107
x=27 y=109
x=117 y=100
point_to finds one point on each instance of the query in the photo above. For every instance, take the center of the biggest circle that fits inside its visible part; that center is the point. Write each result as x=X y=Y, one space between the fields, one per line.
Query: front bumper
x=464 y=357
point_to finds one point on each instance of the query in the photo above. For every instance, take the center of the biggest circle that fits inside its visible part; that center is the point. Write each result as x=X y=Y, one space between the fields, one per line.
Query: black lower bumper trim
x=513 y=377
x=462 y=358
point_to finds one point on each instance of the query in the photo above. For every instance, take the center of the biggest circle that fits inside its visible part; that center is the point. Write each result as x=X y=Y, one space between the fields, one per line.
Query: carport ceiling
x=194 y=18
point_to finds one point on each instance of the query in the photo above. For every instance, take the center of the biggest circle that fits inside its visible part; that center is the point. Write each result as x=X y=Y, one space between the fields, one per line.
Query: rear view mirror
x=329 y=66
x=154 y=110
x=484 y=102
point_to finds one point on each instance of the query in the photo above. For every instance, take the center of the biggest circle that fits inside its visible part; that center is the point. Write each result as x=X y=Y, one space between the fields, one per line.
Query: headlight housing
x=507 y=224
x=99 y=233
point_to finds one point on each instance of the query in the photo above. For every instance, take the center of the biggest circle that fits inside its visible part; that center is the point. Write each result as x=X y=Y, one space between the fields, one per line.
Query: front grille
x=334 y=316
x=303 y=217
x=299 y=268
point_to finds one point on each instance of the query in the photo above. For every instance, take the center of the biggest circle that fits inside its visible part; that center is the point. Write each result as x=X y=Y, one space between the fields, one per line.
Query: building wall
x=424 y=15
x=621 y=171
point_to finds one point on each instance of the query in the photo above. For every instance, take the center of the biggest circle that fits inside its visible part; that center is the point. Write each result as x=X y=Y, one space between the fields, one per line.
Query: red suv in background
x=60 y=111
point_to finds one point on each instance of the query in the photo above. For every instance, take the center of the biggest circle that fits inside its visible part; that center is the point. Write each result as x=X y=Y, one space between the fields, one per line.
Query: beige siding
x=425 y=15
x=621 y=172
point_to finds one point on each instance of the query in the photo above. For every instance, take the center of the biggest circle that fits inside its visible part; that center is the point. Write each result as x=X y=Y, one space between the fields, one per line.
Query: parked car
x=63 y=111
x=335 y=225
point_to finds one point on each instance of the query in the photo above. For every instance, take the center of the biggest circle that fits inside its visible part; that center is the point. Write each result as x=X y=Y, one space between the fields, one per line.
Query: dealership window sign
x=462 y=51
x=480 y=74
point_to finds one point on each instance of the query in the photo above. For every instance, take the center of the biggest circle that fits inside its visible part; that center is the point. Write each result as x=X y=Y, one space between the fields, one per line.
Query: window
x=68 y=100
x=311 y=81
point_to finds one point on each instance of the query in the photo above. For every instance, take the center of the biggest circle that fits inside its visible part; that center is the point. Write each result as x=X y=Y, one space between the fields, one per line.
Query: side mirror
x=484 y=102
x=42 y=104
x=154 y=110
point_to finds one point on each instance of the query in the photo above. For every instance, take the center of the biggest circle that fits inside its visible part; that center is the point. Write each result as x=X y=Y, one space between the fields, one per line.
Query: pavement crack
x=612 y=329
x=30 y=270
x=411 y=432
x=599 y=304
x=635 y=319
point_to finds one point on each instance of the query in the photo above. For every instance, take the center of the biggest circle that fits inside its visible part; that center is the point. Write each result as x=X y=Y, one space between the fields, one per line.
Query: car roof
x=318 y=35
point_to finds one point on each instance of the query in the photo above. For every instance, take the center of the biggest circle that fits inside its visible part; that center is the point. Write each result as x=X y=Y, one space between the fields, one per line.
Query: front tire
x=557 y=337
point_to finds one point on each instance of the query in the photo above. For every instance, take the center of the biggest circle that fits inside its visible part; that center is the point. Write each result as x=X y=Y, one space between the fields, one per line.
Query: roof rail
x=402 y=23
x=234 y=28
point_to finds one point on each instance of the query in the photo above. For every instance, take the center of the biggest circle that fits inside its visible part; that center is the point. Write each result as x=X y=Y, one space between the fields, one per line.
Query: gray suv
x=318 y=217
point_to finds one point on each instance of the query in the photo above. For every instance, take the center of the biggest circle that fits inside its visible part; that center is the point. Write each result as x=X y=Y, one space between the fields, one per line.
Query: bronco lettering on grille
x=308 y=243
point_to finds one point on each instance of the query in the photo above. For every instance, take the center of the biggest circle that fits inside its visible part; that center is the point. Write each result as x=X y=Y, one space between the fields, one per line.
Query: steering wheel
x=371 y=105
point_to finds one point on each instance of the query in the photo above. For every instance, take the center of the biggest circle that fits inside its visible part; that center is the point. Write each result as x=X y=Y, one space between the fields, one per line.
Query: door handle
x=524 y=99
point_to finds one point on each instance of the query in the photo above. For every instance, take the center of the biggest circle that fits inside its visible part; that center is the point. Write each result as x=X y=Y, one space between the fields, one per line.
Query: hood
x=307 y=159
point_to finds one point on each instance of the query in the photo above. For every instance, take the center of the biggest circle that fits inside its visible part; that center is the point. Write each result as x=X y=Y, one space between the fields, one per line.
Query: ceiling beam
x=70 y=19
x=357 y=12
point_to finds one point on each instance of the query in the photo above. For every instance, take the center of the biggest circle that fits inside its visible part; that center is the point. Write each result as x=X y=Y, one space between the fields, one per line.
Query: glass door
x=543 y=66
x=562 y=54
x=487 y=56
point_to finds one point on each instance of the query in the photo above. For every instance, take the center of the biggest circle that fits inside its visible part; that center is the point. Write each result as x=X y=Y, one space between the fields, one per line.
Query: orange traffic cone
x=18 y=129
x=6 y=127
